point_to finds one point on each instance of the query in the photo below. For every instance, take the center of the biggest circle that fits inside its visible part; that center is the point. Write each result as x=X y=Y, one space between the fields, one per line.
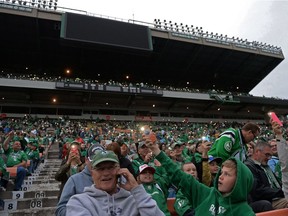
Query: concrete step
x=28 y=194
x=45 y=211
x=39 y=191
x=53 y=154
x=29 y=203
x=44 y=186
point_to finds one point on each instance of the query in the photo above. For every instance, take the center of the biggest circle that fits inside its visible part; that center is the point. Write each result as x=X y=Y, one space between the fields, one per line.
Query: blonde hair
x=230 y=164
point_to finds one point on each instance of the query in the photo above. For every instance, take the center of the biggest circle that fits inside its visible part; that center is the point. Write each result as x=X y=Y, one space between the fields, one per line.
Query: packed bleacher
x=26 y=165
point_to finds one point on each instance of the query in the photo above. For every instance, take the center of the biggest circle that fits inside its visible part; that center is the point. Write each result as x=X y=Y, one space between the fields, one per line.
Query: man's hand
x=277 y=129
x=130 y=180
x=206 y=146
x=153 y=146
x=148 y=157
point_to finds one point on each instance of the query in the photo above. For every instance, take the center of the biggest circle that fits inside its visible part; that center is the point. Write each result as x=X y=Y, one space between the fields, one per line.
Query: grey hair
x=261 y=145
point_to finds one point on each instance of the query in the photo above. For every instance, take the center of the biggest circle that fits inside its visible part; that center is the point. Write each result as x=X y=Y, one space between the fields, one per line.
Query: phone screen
x=121 y=179
x=275 y=118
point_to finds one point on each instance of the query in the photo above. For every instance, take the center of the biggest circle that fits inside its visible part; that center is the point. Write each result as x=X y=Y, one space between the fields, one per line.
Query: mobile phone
x=121 y=179
x=275 y=118
x=206 y=138
x=149 y=133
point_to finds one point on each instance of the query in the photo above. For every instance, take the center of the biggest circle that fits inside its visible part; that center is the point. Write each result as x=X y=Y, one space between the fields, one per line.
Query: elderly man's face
x=105 y=176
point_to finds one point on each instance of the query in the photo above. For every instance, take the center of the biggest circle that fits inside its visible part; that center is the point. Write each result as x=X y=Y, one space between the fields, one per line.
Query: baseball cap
x=212 y=158
x=141 y=144
x=103 y=156
x=92 y=150
x=179 y=143
x=144 y=167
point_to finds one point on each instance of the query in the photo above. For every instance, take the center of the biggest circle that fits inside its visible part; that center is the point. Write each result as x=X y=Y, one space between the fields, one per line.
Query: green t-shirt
x=32 y=154
x=14 y=158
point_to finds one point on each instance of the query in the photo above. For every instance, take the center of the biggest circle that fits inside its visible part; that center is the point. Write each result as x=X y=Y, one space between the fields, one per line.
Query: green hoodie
x=206 y=200
x=158 y=192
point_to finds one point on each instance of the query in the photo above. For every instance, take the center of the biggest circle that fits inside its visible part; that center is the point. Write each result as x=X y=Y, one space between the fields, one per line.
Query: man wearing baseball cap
x=108 y=197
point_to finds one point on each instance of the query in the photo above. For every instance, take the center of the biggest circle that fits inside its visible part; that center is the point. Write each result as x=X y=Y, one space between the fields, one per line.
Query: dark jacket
x=126 y=163
x=261 y=188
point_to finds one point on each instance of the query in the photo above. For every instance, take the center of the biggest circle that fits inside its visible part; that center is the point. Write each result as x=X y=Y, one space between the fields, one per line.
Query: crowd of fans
x=155 y=157
x=159 y=86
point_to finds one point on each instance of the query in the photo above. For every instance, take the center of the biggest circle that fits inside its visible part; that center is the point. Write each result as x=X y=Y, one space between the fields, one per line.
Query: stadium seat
x=12 y=171
x=278 y=212
x=170 y=204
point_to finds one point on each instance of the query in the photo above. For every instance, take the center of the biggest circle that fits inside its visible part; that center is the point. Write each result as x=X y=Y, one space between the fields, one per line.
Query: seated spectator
x=157 y=189
x=145 y=156
x=182 y=205
x=106 y=197
x=229 y=194
x=266 y=185
x=83 y=149
x=76 y=183
x=250 y=148
x=273 y=161
x=4 y=175
x=124 y=162
x=16 y=158
x=71 y=165
x=32 y=154
x=124 y=149
x=179 y=156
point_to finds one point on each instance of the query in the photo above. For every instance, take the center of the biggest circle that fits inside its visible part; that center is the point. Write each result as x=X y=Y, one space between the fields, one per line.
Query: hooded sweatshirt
x=75 y=185
x=125 y=203
x=209 y=201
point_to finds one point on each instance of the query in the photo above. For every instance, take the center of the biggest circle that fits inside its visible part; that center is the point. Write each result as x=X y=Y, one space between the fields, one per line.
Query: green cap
x=102 y=156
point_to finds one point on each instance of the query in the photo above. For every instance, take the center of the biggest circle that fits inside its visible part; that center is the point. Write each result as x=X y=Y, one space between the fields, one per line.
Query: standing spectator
x=106 y=197
x=282 y=149
x=232 y=142
x=16 y=158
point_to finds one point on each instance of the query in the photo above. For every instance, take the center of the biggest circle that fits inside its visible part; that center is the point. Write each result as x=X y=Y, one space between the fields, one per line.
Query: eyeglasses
x=267 y=155
x=254 y=134
x=109 y=168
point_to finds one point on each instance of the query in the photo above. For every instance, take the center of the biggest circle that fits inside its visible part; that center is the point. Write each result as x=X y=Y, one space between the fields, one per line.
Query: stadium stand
x=166 y=77
x=39 y=191
x=169 y=85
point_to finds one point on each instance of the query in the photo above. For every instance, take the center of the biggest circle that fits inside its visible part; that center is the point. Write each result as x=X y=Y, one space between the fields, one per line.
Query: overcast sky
x=260 y=20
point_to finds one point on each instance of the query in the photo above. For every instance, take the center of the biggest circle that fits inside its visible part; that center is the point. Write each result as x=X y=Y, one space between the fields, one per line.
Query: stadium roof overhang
x=33 y=40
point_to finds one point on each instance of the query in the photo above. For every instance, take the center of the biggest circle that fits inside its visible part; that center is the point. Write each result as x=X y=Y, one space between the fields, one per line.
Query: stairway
x=39 y=191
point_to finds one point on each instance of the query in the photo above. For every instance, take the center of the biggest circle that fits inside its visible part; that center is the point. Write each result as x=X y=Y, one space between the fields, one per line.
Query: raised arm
x=282 y=149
